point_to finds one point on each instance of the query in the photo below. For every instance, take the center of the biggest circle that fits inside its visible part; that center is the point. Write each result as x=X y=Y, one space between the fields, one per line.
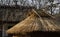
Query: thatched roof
x=33 y=23
x=29 y=24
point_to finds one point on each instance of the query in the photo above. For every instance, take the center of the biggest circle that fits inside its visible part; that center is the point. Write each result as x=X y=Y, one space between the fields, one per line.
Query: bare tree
x=1 y=1
x=39 y=4
x=32 y=2
x=8 y=2
x=21 y=1
x=59 y=9
x=51 y=1
x=15 y=1
x=24 y=2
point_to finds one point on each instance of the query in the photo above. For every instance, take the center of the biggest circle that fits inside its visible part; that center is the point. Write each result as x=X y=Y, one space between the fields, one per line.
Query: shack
x=34 y=26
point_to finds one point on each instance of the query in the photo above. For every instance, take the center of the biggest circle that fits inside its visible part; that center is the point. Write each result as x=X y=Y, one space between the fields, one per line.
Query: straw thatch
x=28 y=25
x=33 y=23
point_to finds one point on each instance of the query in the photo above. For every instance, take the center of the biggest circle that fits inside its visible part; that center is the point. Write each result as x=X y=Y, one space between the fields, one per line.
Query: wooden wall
x=11 y=14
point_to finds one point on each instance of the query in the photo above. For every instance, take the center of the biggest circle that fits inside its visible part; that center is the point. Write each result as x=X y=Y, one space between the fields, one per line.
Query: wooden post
x=3 y=31
x=4 y=27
